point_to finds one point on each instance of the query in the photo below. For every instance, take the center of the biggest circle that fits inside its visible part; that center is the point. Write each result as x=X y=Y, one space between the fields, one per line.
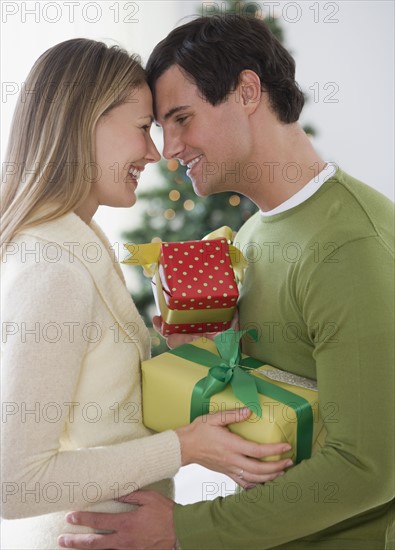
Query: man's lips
x=194 y=161
x=190 y=163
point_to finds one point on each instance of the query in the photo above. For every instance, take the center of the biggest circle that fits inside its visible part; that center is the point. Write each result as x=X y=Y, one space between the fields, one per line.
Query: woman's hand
x=207 y=441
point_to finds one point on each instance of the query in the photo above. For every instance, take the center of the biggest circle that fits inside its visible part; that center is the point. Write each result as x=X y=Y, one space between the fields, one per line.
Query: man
x=319 y=290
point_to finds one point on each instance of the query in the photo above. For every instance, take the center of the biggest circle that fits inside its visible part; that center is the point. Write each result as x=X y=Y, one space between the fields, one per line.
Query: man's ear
x=249 y=89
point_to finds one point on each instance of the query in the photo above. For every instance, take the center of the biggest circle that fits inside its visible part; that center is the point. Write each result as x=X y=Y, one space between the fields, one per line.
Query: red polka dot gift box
x=194 y=283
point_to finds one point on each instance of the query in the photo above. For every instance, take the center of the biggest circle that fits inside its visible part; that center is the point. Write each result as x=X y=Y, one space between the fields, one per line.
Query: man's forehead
x=173 y=91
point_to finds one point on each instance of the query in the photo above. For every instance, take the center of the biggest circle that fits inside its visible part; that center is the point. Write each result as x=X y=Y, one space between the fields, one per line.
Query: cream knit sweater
x=73 y=341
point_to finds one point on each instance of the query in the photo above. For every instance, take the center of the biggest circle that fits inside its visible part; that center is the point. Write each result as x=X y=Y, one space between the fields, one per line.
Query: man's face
x=213 y=141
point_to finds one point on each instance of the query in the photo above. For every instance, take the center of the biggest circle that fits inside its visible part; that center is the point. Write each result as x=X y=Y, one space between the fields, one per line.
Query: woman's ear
x=250 y=89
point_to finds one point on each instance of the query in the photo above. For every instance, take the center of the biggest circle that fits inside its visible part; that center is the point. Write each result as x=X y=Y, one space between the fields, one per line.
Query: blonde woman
x=73 y=340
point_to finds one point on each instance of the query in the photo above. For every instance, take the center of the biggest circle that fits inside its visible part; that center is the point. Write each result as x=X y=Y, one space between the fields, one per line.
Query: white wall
x=345 y=47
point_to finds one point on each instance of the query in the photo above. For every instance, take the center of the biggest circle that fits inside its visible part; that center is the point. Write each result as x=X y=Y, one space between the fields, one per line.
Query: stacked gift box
x=194 y=283
x=195 y=289
x=284 y=407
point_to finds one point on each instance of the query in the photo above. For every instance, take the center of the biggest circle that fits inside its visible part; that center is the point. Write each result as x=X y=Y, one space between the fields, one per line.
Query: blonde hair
x=50 y=161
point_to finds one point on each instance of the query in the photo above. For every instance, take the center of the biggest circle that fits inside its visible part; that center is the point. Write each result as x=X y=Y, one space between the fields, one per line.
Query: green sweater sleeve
x=347 y=484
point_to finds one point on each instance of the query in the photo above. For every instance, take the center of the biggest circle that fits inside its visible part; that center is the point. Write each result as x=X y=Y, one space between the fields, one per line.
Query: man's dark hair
x=215 y=50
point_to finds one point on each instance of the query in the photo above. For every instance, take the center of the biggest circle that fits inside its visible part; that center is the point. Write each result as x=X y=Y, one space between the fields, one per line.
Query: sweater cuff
x=162 y=455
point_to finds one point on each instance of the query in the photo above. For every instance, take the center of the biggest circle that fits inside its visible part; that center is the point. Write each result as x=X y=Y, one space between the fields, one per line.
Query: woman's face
x=123 y=147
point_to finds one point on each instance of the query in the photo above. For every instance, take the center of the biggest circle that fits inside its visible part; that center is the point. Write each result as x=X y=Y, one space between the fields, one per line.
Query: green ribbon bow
x=223 y=370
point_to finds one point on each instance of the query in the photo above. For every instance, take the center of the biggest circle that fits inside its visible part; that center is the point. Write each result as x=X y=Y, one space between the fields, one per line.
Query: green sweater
x=319 y=290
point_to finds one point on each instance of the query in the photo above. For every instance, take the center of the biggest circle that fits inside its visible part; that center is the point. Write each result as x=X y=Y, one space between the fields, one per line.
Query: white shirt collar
x=306 y=192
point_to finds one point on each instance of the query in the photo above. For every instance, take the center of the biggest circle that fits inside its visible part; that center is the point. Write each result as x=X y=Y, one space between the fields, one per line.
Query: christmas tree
x=172 y=212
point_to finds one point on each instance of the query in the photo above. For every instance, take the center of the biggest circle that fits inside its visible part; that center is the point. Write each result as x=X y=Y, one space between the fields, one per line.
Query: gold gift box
x=169 y=380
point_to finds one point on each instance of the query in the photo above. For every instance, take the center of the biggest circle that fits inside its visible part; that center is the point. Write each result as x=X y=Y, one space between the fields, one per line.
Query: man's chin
x=200 y=188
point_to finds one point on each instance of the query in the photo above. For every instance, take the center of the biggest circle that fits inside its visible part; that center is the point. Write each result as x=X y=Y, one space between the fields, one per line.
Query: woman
x=73 y=340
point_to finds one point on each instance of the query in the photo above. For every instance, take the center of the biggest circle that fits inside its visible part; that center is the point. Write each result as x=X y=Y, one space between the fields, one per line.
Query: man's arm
x=353 y=475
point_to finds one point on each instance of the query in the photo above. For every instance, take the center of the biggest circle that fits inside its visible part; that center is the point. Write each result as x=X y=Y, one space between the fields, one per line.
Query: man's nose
x=172 y=145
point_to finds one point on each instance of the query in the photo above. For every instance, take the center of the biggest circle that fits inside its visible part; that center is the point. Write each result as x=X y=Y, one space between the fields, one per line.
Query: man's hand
x=178 y=339
x=149 y=527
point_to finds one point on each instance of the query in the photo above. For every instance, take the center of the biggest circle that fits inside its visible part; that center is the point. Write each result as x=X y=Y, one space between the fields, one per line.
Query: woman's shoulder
x=63 y=244
x=34 y=268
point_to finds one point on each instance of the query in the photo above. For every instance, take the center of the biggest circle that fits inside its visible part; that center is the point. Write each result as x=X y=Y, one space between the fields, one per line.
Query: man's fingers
x=175 y=340
x=178 y=339
x=125 y=529
x=138 y=497
x=92 y=541
x=157 y=322
x=96 y=520
x=235 y=321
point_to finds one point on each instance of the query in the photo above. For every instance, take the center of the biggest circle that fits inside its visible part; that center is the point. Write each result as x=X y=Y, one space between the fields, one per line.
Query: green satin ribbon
x=302 y=408
x=229 y=367
x=223 y=370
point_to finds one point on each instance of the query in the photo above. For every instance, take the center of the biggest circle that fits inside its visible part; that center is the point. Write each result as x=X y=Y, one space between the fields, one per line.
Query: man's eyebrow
x=174 y=110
